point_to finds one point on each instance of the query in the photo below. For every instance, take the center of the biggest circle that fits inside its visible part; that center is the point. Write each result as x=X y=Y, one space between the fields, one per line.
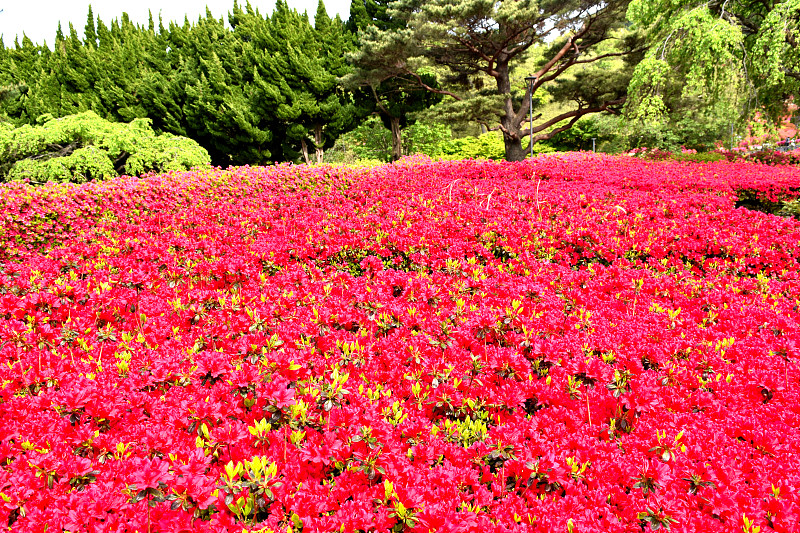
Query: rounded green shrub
x=83 y=147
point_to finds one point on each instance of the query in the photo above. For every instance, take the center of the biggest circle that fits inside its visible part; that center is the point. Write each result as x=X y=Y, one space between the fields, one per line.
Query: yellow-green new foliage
x=487 y=146
x=732 y=54
x=83 y=147
x=166 y=152
x=81 y=165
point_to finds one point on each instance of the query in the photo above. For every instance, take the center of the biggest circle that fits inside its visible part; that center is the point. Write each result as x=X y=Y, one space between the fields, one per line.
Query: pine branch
x=432 y=89
x=56 y=150
x=573 y=115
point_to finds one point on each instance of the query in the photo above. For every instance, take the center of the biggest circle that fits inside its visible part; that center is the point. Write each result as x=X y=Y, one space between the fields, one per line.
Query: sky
x=39 y=19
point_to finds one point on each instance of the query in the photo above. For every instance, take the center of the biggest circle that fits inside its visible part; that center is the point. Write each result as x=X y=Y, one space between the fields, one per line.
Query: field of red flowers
x=570 y=344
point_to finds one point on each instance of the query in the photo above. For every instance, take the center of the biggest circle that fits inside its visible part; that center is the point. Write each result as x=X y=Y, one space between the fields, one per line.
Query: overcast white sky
x=39 y=19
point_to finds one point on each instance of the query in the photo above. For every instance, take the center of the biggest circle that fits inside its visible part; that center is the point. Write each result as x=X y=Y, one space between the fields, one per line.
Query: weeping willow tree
x=776 y=55
x=736 y=55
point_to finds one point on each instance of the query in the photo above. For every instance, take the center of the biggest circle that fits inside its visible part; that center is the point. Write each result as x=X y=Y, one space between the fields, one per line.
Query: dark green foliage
x=381 y=81
x=754 y=200
x=365 y=13
x=226 y=108
x=578 y=137
x=264 y=89
x=22 y=70
x=308 y=65
x=369 y=141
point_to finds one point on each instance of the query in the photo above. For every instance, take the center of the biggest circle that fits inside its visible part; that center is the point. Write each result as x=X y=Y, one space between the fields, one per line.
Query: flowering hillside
x=572 y=344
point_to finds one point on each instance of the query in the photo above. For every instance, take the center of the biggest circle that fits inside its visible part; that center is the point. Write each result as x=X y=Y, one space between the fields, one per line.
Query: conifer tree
x=219 y=108
x=473 y=38
x=90 y=30
x=157 y=87
x=74 y=70
x=21 y=66
x=392 y=93
x=229 y=90
x=333 y=111
x=364 y=13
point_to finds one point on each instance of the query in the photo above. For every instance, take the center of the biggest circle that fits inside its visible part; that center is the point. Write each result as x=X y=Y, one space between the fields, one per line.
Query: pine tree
x=379 y=85
x=475 y=39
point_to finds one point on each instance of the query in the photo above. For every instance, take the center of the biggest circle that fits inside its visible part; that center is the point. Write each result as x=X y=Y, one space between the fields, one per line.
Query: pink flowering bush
x=572 y=343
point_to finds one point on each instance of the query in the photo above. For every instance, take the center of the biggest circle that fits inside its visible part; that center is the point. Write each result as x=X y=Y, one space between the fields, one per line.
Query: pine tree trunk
x=304 y=148
x=511 y=123
x=397 y=139
x=514 y=151
x=318 y=142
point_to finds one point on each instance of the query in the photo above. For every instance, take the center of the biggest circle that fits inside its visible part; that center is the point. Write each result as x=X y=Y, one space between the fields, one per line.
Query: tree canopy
x=275 y=87
x=262 y=89
x=379 y=80
x=742 y=53
x=474 y=38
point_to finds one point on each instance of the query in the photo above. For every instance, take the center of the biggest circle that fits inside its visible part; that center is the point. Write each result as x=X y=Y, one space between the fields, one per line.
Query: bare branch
x=431 y=89
x=610 y=54
x=576 y=114
x=575 y=61
x=523 y=133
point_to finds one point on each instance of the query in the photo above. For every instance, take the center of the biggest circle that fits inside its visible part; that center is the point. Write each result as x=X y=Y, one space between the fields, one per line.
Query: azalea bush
x=689 y=155
x=768 y=157
x=577 y=343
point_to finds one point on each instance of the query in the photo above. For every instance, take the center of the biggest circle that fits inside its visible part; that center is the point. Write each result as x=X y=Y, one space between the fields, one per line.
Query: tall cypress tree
x=219 y=106
x=337 y=111
x=22 y=72
x=308 y=62
x=90 y=30
x=157 y=87
x=75 y=72
x=119 y=65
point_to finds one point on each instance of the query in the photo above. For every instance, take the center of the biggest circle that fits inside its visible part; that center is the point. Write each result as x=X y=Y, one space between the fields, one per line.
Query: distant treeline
x=264 y=88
